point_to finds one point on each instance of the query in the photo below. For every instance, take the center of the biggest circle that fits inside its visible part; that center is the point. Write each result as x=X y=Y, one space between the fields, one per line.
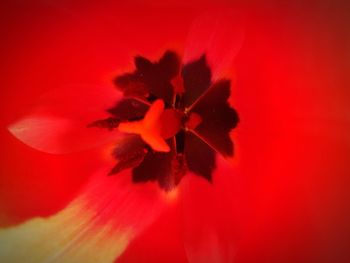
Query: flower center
x=158 y=125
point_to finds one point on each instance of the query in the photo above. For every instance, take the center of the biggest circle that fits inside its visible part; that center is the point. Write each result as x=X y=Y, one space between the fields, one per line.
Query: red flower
x=283 y=200
x=170 y=121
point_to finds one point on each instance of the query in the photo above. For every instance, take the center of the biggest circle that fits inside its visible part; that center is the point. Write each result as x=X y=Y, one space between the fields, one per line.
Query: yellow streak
x=95 y=227
x=69 y=236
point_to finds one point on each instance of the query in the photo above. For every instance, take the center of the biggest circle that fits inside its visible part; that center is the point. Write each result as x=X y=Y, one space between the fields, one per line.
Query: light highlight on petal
x=96 y=227
x=59 y=124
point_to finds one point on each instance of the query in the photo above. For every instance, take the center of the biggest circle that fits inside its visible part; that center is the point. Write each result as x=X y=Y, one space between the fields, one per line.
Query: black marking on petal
x=179 y=167
x=166 y=168
x=151 y=98
x=178 y=104
x=129 y=153
x=200 y=158
x=218 y=118
x=108 y=123
x=151 y=79
x=196 y=78
x=180 y=142
x=129 y=109
x=192 y=149
x=132 y=85
x=142 y=63
x=170 y=64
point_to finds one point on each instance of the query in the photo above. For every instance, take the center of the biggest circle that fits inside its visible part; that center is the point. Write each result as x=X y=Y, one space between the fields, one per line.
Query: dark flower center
x=175 y=118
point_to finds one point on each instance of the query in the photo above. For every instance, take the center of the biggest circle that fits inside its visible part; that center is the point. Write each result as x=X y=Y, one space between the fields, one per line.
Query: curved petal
x=207 y=213
x=218 y=36
x=59 y=123
x=96 y=227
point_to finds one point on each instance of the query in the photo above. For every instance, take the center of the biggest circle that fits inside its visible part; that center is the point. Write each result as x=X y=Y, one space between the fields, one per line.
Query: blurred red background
x=292 y=93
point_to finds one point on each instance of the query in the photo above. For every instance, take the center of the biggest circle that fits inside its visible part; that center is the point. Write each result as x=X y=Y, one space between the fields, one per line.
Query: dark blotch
x=180 y=141
x=129 y=109
x=190 y=150
x=200 y=158
x=218 y=118
x=170 y=64
x=142 y=64
x=131 y=85
x=109 y=123
x=166 y=168
x=151 y=79
x=196 y=78
x=129 y=153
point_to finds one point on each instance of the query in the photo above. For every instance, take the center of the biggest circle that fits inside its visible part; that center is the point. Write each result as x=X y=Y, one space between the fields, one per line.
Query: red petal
x=217 y=35
x=59 y=123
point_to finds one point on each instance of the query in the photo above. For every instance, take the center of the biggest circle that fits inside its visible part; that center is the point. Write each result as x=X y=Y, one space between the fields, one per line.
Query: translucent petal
x=218 y=35
x=208 y=216
x=59 y=123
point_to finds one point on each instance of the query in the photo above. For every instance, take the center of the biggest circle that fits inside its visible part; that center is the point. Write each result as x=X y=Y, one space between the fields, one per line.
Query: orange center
x=157 y=126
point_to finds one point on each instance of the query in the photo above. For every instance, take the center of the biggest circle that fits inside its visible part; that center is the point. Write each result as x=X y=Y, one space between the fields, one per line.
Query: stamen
x=149 y=128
